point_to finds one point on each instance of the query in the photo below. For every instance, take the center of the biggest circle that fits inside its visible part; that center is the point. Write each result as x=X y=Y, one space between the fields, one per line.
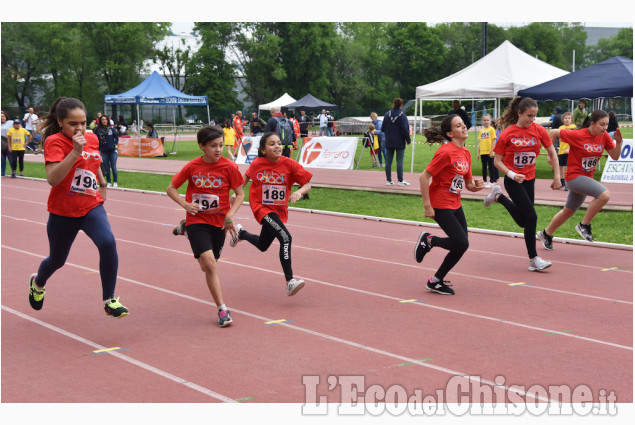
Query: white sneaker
x=293 y=286
x=114 y=184
x=108 y=185
x=389 y=183
x=403 y=183
x=491 y=198
x=234 y=240
x=488 y=185
x=537 y=264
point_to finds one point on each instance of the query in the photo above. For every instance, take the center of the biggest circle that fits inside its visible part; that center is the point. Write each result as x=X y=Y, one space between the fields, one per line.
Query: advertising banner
x=620 y=170
x=328 y=152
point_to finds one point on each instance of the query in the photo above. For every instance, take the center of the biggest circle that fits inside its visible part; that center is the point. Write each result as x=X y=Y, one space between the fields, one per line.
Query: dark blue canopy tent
x=611 y=78
x=309 y=102
x=155 y=90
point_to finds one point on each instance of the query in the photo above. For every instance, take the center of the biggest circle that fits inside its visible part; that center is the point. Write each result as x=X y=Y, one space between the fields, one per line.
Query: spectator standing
x=133 y=128
x=305 y=123
x=613 y=125
x=456 y=109
x=323 y=122
x=30 y=121
x=239 y=127
x=580 y=113
x=256 y=124
x=122 y=126
x=229 y=137
x=556 y=118
x=17 y=136
x=6 y=153
x=272 y=126
x=108 y=140
x=397 y=132
x=329 y=124
x=382 y=140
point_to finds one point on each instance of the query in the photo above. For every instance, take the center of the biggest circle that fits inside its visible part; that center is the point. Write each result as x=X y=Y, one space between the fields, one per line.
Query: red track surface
x=569 y=325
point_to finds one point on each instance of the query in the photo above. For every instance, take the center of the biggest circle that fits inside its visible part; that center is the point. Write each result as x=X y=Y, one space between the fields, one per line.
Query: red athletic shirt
x=585 y=151
x=77 y=194
x=450 y=167
x=208 y=184
x=520 y=148
x=271 y=185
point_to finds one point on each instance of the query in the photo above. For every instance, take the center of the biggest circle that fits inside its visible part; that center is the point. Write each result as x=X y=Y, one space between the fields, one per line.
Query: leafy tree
x=618 y=45
x=210 y=72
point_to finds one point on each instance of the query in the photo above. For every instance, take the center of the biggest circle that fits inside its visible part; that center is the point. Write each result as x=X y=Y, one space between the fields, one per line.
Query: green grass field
x=608 y=226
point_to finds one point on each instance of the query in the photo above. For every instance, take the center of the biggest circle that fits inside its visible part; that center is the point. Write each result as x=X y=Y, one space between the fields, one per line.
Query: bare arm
x=173 y=193
x=57 y=171
x=616 y=151
x=498 y=163
x=553 y=162
x=295 y=196
x=424 y=183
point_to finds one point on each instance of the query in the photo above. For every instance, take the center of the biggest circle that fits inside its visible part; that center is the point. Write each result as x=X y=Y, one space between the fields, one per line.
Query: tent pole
x=414 y=136
x=209 y=120
x=139 y=132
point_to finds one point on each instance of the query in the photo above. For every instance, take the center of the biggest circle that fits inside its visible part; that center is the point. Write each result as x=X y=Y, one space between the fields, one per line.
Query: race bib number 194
x=205 y=201
x=84 y=182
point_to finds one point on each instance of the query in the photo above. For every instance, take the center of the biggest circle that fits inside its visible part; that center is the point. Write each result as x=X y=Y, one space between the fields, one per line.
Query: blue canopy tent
x=155 y=90
x=611 y=78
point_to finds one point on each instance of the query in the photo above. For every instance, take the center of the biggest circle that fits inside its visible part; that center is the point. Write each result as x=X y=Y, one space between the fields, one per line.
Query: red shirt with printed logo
x=208 y=184
x=585 y=151
x=77 y=194
x=450 y=168
x=271 y=185
x=520 y=148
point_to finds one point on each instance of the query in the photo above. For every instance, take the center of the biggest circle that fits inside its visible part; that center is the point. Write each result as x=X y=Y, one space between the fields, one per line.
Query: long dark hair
x=594 y=116
x=440 y=134
x=263 y=142
x=59 y=111
x=510 y=116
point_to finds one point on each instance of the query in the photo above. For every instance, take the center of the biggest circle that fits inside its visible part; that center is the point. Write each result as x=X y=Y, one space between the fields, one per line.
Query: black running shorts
x=205 y=237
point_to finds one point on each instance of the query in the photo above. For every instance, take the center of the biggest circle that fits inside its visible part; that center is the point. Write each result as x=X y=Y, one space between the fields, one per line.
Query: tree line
x=360 y=66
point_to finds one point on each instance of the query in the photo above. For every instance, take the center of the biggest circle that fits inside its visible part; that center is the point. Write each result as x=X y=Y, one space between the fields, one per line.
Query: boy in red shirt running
x=273 y=176
x=451 y=172
x=585 y=149
x=209 y=213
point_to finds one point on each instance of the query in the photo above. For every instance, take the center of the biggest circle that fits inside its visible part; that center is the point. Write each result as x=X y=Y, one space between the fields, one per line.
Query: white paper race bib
x=273 y=194
x=590 y=163
x=457 y=184
x=205 y=201
x=84 y=182
x=524 y=159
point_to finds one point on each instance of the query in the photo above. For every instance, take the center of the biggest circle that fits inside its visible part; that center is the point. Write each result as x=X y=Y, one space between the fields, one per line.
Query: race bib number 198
x=84 y=182
x=273 y=194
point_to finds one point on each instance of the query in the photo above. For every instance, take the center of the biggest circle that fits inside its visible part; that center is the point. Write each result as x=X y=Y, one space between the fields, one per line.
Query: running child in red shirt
x=73 y=169
x=209 y=213
x=585 y=149
x=515 y=157
x=451 y=172
x=273 y=176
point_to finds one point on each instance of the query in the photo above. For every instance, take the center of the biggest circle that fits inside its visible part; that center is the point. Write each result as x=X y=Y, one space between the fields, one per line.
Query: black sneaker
x=423 y=247
x=440 y=287
x=547 y=241
x=585 y=231
x=36 y=296
x=180 y=229
x=114 y=308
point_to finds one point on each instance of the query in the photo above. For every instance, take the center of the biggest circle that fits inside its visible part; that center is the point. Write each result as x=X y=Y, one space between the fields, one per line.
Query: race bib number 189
x=273 y=194
x=84 y=182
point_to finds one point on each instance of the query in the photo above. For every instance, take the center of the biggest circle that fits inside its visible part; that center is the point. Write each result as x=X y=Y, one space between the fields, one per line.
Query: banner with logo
x=328 y=152
x=620 y=170
x=248 y=150
x=129 y=146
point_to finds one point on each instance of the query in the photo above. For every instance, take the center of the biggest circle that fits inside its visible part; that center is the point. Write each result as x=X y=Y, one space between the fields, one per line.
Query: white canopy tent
x=283 y=100
x=500 y=74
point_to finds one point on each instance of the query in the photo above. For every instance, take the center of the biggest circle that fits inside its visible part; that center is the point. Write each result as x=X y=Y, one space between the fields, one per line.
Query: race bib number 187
x=524 y=159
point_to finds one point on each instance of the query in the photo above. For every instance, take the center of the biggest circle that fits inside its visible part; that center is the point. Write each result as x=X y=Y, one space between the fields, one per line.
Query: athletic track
x=569 y=325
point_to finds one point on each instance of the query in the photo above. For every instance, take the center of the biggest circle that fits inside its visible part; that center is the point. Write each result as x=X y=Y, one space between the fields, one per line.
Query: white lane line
x=361 y=291
x=475 y=379
x=377 y=260
x=123 y=357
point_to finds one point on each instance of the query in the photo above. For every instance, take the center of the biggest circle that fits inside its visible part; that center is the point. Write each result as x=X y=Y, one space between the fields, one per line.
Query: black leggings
x=453 y=223
x=521 y=208
x=273 y=228
x=18 y=157
x=488 y=164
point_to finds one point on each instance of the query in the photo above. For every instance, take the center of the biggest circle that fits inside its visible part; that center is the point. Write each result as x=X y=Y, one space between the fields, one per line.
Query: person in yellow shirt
x=230 y=137
x=487 y=141
x=563 y=150
x=17 y=145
